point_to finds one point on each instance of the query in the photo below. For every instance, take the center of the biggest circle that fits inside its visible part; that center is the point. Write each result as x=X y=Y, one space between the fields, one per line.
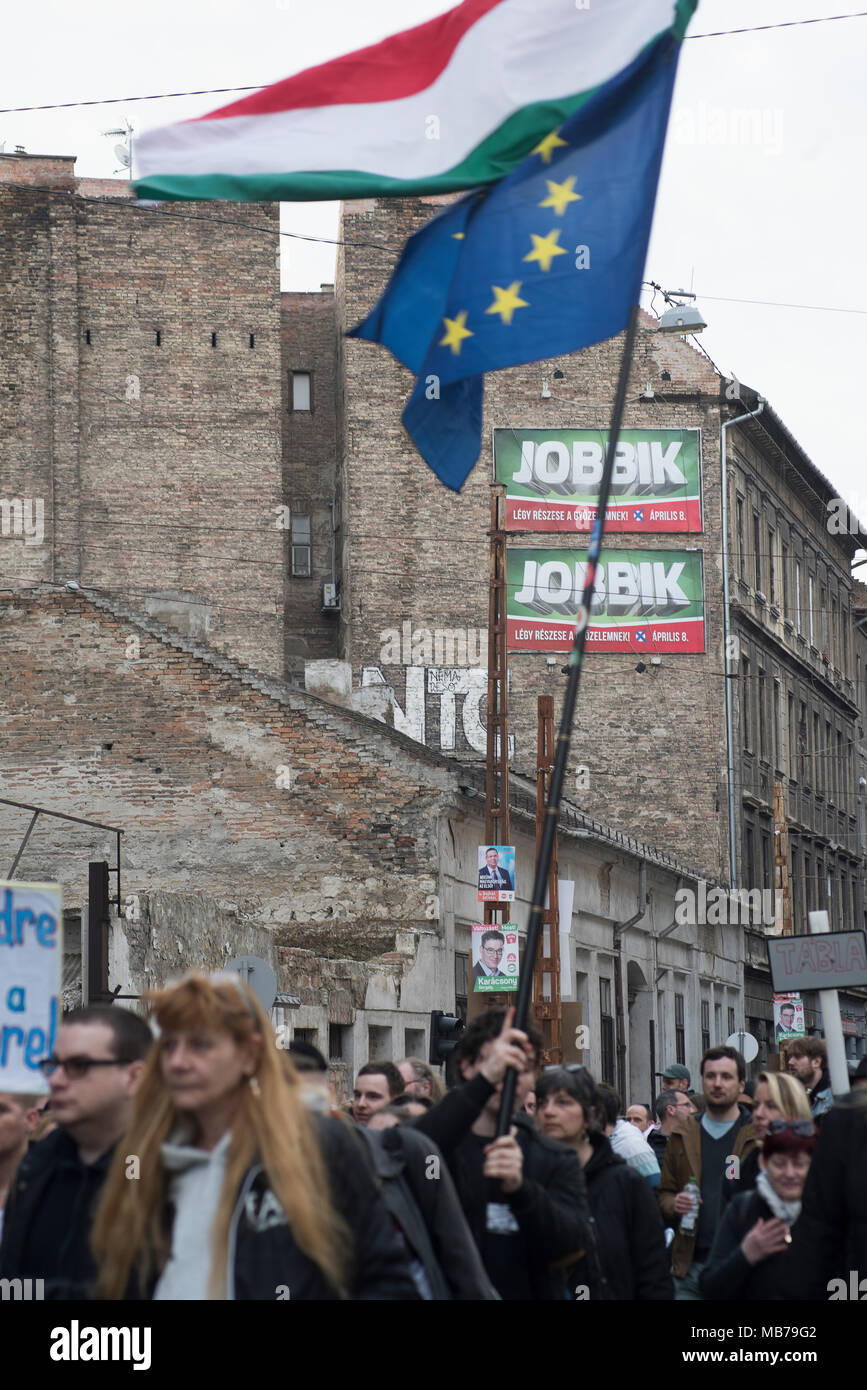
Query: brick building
x=141 y=405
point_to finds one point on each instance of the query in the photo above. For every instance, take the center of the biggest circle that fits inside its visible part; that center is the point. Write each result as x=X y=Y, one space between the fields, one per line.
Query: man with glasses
x=669 y=1106
x=491 y=949
x=99 y=1059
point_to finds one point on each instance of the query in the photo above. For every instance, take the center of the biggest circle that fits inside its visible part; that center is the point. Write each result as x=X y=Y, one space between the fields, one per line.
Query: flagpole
x=564 y=736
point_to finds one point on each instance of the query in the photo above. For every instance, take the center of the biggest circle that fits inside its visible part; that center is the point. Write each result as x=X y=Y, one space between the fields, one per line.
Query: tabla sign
x=552 y=479
x=827 y=960
x=644 y=601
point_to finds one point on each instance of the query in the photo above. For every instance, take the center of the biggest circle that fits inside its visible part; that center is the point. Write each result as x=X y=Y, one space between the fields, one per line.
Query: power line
x=784 y=24
x=220 y=91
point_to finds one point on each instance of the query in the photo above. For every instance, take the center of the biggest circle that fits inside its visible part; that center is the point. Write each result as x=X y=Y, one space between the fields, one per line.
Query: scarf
x=784 y=1211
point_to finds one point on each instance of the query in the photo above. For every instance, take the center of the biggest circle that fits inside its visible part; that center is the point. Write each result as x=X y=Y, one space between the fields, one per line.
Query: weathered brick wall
x=160 y=466
x=285 y=811
x=415 y=552
x=310 y=468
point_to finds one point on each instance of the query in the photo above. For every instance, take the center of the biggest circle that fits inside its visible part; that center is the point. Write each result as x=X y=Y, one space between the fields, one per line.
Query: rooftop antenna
x=123 y=153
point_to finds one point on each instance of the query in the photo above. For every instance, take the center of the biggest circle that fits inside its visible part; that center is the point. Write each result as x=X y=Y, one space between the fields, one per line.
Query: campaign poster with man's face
x=495 y=957
x=788 y=1017
x=496 y=873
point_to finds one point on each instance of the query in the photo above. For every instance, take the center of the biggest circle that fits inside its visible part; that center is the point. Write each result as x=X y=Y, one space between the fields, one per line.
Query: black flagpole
x=555 y=792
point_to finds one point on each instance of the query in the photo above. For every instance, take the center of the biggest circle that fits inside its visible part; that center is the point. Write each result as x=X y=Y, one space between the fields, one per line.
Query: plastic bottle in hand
x=689 y=1219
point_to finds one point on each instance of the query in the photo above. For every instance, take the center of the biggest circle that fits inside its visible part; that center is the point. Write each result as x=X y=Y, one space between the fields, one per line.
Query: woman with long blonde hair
x=778 y=1096
x=227 y=1186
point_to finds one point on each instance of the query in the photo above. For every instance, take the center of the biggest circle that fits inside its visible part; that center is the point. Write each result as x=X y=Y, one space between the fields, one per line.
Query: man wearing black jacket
x=100 y=1054
x=523 y=1195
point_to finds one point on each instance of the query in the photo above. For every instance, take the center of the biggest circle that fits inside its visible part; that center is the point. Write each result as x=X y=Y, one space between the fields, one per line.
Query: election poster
x=496 y=873
x=31 y=961
x=645 y=601
x=495 y=957
x=788 y=1017
x=552 y=479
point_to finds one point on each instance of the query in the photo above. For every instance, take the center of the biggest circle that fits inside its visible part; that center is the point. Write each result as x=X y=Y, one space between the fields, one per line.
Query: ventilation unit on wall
x=329 y=596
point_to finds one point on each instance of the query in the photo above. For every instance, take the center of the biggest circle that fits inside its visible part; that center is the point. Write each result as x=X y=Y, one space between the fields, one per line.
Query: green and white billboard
x=552 y=479
x=645 y=600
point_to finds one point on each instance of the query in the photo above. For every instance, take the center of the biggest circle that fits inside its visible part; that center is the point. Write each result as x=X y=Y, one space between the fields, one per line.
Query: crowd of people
x=187 y=1157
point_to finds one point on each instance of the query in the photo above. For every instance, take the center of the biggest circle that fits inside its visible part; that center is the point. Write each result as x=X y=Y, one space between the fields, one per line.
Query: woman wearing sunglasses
x=241 y=1192
x=751 y=1257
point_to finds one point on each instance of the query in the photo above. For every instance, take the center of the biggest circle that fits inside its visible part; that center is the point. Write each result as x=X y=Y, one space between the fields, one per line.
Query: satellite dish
x=122 y=155
x=746 y=1044
x=259 y=976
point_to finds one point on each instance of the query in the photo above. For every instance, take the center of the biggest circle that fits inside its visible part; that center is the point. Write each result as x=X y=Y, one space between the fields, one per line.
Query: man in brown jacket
x=705 y=1147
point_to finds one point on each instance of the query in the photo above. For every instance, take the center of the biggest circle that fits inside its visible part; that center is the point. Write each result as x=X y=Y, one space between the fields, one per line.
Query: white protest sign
x=31 y=966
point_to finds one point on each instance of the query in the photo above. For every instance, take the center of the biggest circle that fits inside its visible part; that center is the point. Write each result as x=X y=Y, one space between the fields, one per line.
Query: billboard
x=552 y=479
x=645 y=601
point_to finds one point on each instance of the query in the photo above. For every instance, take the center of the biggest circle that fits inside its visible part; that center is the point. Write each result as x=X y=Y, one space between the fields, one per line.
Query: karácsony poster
x=552 y=479
x=645 y=600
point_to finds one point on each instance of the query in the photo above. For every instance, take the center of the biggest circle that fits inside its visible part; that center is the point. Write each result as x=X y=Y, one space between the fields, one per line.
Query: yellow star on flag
x=546 y=147
x=507 y=301
x=560 y=195
x=458 y=236
x=545 y=248
x=455 y=332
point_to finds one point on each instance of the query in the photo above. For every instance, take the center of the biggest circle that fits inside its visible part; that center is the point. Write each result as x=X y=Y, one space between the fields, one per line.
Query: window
x=757 y=542
x=767 y=862
x=828 y=762
x=301 y=559
x=798 y=622
x=817 y=781
x=840 y=786
x=462 y=975
x=300 y=383
x=790 y=735
x=763 y=747
x=606 y=1019
x=776 y=724
x=823 y=617
x=740 y=535
x=784 y=580
x=335 y=1042
x=679 y=1031
x=306 y=1035
x=772 y=575
x=705 y=1025
x=731 y=1022
x=717 y=1023
x=746 y=722
x=810 y=621
x=803 y=762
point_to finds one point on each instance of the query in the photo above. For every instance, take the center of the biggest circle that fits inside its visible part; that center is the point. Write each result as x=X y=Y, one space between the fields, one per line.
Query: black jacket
x=746 y=1182
x=830 y=1238
x=630 y=1239
x=728 y=1274
x=49 y=1213
x=265 y=1263
x=420 y=1195
x=545 y=1221
x=657 y=1142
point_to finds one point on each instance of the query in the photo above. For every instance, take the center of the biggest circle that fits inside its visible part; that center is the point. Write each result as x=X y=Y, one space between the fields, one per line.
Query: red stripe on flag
x=398 y=66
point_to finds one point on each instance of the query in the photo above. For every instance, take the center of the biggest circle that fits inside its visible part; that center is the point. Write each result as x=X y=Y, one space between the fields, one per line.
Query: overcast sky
x=762 y=195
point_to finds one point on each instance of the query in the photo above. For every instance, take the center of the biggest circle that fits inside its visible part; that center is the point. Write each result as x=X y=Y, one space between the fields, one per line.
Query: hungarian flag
x=455 y=103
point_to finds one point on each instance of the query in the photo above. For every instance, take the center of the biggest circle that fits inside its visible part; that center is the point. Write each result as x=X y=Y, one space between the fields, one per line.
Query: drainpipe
x=619 y=1003
x=726 y=424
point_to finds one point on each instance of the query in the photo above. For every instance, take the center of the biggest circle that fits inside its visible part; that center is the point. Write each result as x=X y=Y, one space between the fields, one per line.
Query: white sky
x=779 y=217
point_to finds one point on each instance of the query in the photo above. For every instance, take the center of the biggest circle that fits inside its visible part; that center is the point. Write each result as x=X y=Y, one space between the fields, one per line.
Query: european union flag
x=548 y=261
